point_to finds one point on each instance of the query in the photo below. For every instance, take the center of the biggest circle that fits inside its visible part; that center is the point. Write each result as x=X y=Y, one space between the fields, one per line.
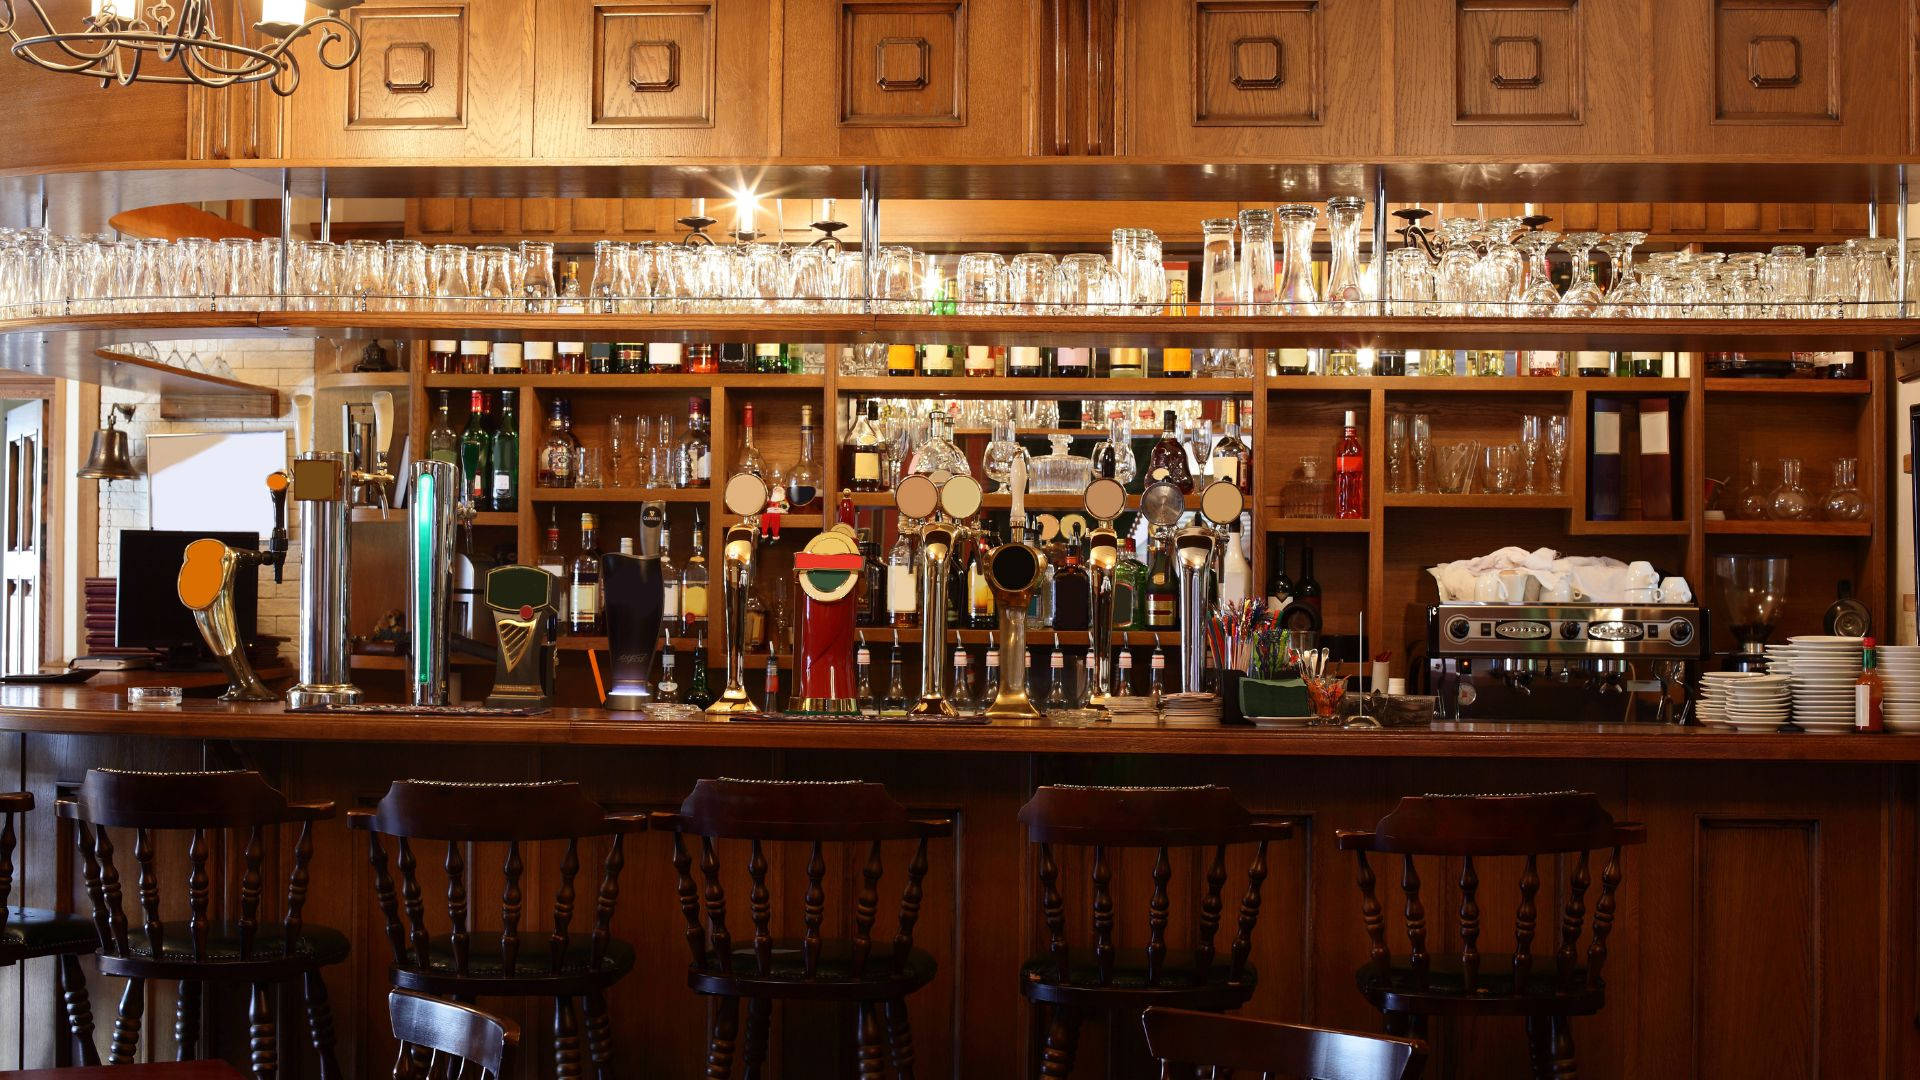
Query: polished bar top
x=65 y=710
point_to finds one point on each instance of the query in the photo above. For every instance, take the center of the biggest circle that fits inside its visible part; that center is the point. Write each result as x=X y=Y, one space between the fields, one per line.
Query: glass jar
x=938 y=455
x=1437 y=362
x=1253 y=288
x=1345 y=294
x=1844 y=501
x=1788 y=278
x=1296 y=292
x=1490 y=363
x=443 y=357
x=1790 y=500
x=1217 y=268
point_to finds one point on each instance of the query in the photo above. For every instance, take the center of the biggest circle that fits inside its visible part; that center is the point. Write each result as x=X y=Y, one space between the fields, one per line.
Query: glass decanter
x=1344 y=291
x=936 y=455
x=1755 y=499
x=1790 y=500
x=1296 y=293
x=1113 y=457
x=1060 y=472
x=1844 y=501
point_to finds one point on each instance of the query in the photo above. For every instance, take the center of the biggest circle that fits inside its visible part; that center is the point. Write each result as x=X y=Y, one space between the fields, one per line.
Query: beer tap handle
x=1017 y=483
x=382 y=425
x=277 y=484
x=302 y=424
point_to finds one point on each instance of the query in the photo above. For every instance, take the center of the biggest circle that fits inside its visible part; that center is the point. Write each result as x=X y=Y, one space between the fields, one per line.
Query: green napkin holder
x=1274 y=697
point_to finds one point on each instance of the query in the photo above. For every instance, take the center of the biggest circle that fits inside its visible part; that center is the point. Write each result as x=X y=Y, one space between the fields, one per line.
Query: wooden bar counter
x=1769 y=928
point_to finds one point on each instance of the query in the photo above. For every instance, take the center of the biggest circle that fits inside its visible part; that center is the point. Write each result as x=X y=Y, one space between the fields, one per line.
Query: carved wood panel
x=413 y=68
x=653 y=65
x=1757 y=880
x=903 y=65
x=1518 y=62
x=1774 y=61
x=1258 y=62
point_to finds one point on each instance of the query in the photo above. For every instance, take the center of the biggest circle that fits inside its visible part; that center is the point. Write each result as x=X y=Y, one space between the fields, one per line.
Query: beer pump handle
x=302 y=423
x=1017 y=482
x=383 y=422
x=277 y=484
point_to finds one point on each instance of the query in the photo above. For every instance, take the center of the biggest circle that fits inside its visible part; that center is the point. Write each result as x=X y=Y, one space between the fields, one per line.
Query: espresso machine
x=1105 y=499
x=745 y=495
x=1577 y=662
x=1014 y=570
x=205 y=585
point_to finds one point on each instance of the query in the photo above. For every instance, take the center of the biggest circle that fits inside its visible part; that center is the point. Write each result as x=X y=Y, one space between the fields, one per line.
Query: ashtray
x=155 y=695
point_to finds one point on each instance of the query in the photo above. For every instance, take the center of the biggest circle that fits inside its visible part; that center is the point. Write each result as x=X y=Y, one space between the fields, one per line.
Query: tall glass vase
x=1296 y=293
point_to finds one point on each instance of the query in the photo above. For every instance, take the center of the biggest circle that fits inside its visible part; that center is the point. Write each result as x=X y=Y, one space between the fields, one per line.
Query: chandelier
x=123 y=42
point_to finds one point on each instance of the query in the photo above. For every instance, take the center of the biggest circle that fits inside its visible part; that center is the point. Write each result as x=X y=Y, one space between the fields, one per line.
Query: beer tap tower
x=949 y=505
x=829 y=571
x=745 y=495
x=1194 y=548
x=1014 y=570
x=205 y=586
x=635 y=607
x=433 y=513
x=1105 y=499
x=320 y=479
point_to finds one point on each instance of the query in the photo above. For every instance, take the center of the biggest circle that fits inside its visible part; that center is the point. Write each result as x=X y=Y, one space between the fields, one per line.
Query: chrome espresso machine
x=1586 y=663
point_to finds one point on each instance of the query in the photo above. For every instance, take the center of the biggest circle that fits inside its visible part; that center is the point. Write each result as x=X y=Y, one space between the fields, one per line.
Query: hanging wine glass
x=1501 y=271
x=1582 y=297
x=1539 y=297
x=1625 y=291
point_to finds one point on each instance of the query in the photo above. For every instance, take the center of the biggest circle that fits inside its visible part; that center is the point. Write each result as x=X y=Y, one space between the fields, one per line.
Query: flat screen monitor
x=149 y=614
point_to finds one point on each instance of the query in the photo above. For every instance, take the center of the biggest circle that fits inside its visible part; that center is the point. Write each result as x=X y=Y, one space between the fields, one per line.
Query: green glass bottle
x=505 y=454
x=476 y=454
x=443 y=443
x=698 y=695
x=1129 y=592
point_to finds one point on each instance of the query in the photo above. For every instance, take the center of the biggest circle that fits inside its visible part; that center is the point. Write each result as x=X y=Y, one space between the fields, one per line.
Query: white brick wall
x=284 y=365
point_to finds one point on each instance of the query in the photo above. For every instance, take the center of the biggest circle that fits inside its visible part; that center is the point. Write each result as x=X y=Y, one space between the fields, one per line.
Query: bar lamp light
x=111 y=458
x=129 y=41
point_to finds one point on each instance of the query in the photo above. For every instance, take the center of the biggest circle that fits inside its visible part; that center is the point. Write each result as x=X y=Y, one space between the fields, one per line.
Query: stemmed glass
x=1539 y=297
x=1531 y=435
x=1583 y=296
x=1453 y=281
x=1422 y=439
x=1002 y=451
x=1625 y=291
x=1501 y=272
x=1556 y=446
x=1396 y=452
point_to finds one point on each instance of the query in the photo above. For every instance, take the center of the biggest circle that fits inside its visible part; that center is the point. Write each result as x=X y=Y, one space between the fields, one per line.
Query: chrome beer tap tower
x=433 y=515
x=1014 y=570
x=366 y=433
x=745 y=495
x=1195 y=550
x=949 y=505
x=320 y=479
x=1105 y=499
x=205 y=585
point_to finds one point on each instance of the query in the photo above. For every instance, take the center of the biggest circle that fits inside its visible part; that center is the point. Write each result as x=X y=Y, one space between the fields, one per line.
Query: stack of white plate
x=1823 y=670
x=1711 y=706
x=1190 y=710
x=1758 y=702
x=1899 y=667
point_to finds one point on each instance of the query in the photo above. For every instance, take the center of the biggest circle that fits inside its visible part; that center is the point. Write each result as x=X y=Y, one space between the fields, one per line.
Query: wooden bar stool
x=1119 y=983
x=1186 y=1042
x=30 y=933
x=213 y=946
x=813 y=968
x=468 y=962
x=461 y=1042
x=1481 y=827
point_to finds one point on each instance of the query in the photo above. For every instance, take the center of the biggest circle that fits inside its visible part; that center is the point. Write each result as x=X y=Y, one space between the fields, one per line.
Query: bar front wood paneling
x=1768 y=928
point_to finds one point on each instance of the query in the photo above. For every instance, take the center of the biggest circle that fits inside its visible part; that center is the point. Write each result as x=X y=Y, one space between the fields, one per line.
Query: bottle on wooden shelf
x=1168 y=462
x=1350 y=472
x=803 y=480
x=443 y=442
x=583 y=581
x=865 y=449
x=476 y=455
x=693 y=584
x=504 y=455
x=750 y=459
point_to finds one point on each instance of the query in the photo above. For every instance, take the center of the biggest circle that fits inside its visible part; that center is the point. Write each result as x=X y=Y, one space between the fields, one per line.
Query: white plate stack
x=1711 y=707
x=1758 y=702
x=1899 y=667
x=1822 y=671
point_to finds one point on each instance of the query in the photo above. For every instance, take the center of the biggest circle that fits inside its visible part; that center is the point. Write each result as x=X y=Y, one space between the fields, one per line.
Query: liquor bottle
x=769 y=358
x=1648 y=365
x=959 y=560
x=750 y=461
x=1869 y=694
x=1072 y=593
x=1169 y=459
x=1123 y=674
x=1073 y=363
x=665 y=358
x=1058 y=699
x=770 y=701
x=962 y=696
x=1350 y=472
x=1127 y=363
x=473 y=357
x=667 y=690
x=554 y=560
x=894 y=702
x=733 y=359
x=701 y=360
x=1236 y=574
x=1088 y=674
x=443 y=443
x=476 y=456
x=693 y=458
x=1307 y=589
x=872 y=593
x=693 y=585
x=903 y=585
x=443 y=357
x=506 y=358
x=1023 y=362
x=1544 y=363
x=1157 y=671
x=1279 y=586
x=990 y=675
x=672 y=588
x=555 y=464
x=866 y=443
x=539 y=357
x=1163 y=609
x=1231 y=458
x=803 y=480
x=1592 y=365
x=900 y=361
x=980 y=363
x=583 y=582
x=1129 y=591
x=1176 y=363
x=504 y=455
x=756 y=623
x=600 y=358
x=699 y=695
x=863 y=679
x=936 y=360
x=980 y=615
x=570 y=358
x=1293 y=362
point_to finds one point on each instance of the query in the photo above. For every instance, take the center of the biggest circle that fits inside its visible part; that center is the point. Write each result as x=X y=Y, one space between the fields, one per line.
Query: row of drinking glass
x=1415 y=463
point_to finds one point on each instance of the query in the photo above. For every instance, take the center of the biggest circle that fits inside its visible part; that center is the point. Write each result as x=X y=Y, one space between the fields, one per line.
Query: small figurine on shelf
x=374 y=358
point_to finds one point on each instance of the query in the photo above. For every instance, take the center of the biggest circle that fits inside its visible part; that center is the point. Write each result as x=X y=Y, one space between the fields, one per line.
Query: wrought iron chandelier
x=124 y=42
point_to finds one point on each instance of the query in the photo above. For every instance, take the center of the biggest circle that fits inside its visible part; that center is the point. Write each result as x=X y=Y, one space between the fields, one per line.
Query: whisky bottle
x=583 y=582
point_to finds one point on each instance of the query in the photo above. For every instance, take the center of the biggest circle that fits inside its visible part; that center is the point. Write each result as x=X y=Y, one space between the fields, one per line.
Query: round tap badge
x=828 y=567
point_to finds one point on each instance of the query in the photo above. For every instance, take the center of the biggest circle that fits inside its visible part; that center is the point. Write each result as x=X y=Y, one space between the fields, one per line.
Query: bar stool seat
x=1130 y=985
x=266 y=959
x=1441 y=990
x=30 y=933
x=834 y=978
x=486 y=973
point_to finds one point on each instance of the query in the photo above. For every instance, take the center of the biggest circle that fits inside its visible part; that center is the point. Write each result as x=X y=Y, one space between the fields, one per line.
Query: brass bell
x=110 y=459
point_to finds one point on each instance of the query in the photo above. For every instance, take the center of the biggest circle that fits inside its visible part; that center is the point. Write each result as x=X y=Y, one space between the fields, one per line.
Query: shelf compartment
x=353 y=380
x=620 y=495
x=1003 y=386
x=664 y=383
x=1477 y=501
x=1851 y=529
x=1272 y=524
x=1822 y=387
x=1520 y=384
x=1050 y=502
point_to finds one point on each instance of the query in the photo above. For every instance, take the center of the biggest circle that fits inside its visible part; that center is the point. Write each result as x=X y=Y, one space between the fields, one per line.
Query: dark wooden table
x=172 y=1070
